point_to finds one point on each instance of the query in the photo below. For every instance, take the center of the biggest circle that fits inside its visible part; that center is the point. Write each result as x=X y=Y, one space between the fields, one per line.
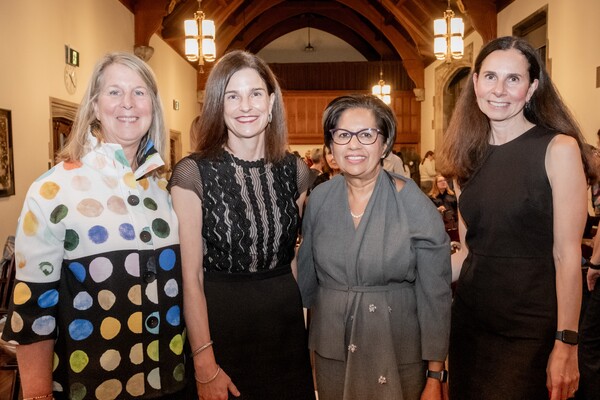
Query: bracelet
x=209 y=380
x=201 y=348
x=46 y=396
x=592 y=265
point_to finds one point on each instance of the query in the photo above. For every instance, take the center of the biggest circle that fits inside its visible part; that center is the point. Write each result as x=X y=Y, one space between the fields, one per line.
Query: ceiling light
x=448 y=33
x=200 y=38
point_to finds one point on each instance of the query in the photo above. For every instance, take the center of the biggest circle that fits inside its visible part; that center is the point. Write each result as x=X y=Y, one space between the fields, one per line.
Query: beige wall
x=572 y=31
x=33 y=34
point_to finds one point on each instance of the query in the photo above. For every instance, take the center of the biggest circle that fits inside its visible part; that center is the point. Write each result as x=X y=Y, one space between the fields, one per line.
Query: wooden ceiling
x=379 y=29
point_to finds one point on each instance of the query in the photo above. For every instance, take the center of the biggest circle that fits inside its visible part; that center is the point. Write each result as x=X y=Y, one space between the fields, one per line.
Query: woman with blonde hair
x=444 y=199
x=96 y=310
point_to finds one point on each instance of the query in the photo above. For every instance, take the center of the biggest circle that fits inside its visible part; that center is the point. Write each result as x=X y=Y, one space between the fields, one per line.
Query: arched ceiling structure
x=390 y=30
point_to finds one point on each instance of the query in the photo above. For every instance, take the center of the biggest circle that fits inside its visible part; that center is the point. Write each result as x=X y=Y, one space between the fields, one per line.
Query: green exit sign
x=71 y=56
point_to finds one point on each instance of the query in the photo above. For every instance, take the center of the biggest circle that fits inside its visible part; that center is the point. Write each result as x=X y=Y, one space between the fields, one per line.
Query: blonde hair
x=435 y=191
x=85 y=120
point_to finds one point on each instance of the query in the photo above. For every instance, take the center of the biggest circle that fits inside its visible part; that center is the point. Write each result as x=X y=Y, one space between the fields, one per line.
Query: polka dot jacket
x=99 y=271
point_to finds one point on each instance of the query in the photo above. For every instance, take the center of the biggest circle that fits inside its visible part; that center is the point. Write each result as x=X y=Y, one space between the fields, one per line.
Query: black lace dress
x=250 y=226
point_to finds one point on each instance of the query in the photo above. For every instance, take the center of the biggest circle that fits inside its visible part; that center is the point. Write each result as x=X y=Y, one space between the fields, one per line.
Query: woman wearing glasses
x=374 y=268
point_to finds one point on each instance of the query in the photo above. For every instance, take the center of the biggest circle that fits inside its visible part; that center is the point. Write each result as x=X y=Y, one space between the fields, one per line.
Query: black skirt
x=485 y=365
x=260 y=340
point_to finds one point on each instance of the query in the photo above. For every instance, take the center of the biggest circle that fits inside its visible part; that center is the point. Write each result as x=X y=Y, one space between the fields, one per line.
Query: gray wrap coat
x=379 y=294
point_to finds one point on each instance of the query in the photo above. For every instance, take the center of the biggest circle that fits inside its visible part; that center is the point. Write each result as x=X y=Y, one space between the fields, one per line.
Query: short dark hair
x=384 y=116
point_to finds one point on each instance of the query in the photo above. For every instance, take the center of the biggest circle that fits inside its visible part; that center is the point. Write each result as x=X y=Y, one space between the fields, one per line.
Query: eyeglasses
x=365 y=136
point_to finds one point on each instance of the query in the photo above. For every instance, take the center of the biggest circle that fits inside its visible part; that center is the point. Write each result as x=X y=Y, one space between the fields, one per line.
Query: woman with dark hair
x=331 y=167
x=518 y=159
x=373 y=267
x=238 y=199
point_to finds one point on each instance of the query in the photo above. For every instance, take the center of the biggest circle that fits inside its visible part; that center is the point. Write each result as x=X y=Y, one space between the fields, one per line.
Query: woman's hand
x=592 y=277
x=562 y=371
x=217 y=389
x=434 y=390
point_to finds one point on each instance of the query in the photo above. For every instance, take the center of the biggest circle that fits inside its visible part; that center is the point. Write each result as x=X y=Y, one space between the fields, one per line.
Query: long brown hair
x=211 y=130
x=467 y=138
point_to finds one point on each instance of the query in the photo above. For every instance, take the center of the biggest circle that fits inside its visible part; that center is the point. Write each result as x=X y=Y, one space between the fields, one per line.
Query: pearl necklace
x=356 y=216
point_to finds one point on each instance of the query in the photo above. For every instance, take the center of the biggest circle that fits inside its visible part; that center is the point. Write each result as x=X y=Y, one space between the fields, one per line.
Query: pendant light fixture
x=448 y=33
x=309 y=48
x=380 y=89
x=200 y=38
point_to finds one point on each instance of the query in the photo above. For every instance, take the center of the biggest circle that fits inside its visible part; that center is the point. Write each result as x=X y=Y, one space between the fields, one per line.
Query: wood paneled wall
x=341 y=75
x=305 y=111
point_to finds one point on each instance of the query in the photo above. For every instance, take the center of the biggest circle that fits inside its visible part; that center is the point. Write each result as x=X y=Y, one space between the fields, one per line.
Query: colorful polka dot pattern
x=101 y=244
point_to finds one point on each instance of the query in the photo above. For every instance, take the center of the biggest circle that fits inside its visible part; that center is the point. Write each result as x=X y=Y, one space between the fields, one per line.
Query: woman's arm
x=458 y=258
x=35 y=367
x=300 y=202
x=569 y=190
x=593 y=274
x=43 y=245
x=188 y=207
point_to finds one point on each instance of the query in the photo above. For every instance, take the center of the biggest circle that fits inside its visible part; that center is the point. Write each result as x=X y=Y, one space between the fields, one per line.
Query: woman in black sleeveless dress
x=237 y=199
x=515 y=152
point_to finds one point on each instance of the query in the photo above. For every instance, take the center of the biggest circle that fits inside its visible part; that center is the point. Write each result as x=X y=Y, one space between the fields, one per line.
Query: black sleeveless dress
x=504 y=311
x=250 y=227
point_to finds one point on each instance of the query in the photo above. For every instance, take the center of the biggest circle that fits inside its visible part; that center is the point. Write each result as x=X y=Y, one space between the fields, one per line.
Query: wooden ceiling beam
x=413 y=61
x=342 y=23
x=483 y=16
x=148 y=18
x=421 y=35
x=356 y=35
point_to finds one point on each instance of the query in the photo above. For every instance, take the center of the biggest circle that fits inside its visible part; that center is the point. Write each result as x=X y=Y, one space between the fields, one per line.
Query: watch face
x=70 y=78
x=570 y=337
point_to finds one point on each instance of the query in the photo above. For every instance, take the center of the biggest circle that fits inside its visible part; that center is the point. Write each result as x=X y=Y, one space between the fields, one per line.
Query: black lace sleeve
x=186 y=175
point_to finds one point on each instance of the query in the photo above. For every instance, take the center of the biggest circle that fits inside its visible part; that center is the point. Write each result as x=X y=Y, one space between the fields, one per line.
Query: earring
x=270 y=118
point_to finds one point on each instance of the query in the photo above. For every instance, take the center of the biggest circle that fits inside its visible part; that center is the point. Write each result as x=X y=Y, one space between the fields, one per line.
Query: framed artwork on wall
x=7 y=175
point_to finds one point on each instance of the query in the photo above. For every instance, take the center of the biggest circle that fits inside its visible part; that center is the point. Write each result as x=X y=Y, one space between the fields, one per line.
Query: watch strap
x=567 y=336
x=441 y=376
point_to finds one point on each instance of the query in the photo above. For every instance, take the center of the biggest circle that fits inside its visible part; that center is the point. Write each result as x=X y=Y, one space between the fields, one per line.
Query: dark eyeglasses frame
x=357 y=134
